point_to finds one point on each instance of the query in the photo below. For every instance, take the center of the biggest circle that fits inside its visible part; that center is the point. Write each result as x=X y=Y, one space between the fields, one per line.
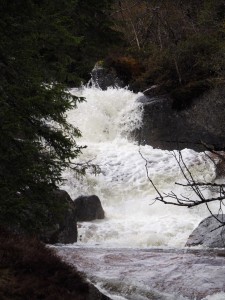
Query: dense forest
x=177 y=46
x=47 y=47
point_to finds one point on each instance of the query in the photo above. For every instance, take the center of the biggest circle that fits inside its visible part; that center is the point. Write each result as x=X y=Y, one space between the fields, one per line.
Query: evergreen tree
x=38 y=46
x=94 y=26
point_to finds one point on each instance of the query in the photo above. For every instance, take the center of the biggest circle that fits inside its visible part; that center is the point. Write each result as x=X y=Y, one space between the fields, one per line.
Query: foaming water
x=133 y=218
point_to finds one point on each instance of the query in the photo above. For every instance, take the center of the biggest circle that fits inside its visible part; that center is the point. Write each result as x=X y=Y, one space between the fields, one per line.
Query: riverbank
x=29 y=270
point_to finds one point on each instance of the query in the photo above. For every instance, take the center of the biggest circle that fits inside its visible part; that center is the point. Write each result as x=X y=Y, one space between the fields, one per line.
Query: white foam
x=217 y=296
x=105 y=120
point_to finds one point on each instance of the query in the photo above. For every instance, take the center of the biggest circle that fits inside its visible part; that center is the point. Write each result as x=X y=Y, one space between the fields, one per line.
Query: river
x=134 y=220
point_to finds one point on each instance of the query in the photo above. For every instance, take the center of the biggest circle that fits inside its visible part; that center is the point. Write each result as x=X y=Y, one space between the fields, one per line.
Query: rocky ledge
x=195 y=127
x=64 y=230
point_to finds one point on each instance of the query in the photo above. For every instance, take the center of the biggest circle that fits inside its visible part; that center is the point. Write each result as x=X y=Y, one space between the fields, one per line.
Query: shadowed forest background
x=160 y=47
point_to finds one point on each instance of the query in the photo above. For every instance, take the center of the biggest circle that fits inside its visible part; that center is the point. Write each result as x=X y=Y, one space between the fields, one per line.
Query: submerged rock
x=208 y=233
x=64 y=229
x=88 y=208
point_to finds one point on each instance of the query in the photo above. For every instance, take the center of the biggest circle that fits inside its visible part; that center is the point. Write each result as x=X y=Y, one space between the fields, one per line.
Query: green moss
x=100 y=63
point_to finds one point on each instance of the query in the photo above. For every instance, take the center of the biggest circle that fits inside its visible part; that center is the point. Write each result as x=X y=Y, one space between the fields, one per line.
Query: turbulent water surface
x=106 y=120
x=155 y=274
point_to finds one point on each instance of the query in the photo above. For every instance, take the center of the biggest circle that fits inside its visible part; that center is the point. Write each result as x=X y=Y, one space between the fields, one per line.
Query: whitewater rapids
x=133 y=219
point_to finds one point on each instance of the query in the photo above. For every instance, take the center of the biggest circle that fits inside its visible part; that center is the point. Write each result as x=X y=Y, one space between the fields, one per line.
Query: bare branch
x=146 y=167
x=201 y=184
x=82 y=167
x=197 y=187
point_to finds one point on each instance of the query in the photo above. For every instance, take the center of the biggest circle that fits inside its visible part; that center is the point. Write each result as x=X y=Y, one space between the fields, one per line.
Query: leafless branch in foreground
x=193 y=185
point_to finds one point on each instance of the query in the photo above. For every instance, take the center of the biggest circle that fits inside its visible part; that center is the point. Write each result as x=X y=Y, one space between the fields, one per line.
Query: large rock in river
x=88 y=208
x=169 y=128
x=103 y=78
x=209 y=233
x=63 y=224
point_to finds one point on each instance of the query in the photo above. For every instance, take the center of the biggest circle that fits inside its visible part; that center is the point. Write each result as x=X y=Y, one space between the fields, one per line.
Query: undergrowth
x=29 y=270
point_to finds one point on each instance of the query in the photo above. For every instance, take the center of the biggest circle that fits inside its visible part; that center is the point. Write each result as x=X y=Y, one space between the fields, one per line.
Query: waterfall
x=133 y=219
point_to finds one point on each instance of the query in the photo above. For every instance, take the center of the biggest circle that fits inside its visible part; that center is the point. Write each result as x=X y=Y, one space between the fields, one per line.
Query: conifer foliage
x=39 y=42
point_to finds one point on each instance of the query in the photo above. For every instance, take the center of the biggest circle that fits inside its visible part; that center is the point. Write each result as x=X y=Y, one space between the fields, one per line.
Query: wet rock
x=208 y=234
x=63 y=228
x=145 y=99
x=104 y=78
x=88 y=208
x=94 y=293
x=127 y=69
x=201 y=123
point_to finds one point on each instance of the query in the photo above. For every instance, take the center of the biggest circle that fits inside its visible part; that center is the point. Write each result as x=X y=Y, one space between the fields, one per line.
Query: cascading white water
x=106 y=119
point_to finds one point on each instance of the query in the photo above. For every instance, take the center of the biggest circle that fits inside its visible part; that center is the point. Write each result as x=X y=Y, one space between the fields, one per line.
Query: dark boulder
x=88 y=208
x=94 y=293
x=62 y=225
x=166 y=127
x=208 y=233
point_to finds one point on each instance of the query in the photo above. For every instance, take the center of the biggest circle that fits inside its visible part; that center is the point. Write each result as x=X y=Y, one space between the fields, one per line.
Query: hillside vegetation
x=28 y=270
x=45 y=46
x=177 y=45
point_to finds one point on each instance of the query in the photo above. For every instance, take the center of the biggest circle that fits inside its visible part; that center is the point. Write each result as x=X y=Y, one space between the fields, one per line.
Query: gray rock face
x=64 y=229
x=202 y=123
x=88 y=208
x=207 y=235
x=104 y=78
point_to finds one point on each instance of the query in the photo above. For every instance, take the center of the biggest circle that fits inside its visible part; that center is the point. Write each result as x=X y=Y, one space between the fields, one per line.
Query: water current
x=106 y=120
x=134 y=220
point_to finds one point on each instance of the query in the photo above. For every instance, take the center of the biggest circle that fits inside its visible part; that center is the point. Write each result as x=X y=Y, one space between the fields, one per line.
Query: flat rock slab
x=156 y=274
